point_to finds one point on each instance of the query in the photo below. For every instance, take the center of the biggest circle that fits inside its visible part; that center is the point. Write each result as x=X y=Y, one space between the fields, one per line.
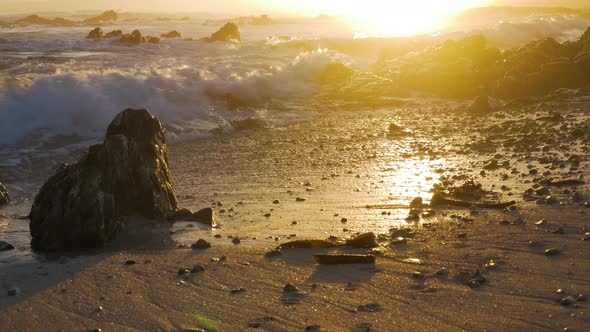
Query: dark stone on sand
x=107 y=16
x=552 y=252
x=290 y=288
x=198 y=268
x=135 y=38
x=205 y=216
x=307 y=244
x=371 y=307
x=82 y=206
x=114 y=34
x=130 y=262
x=4 y=198
x=228 y=33
x=416 y=203
x=201 y=244
x=171 y=34
x=5 y=246
x=96 y=34
x=182 y=214
x=366 y=240
x=568 y=300
x=183 y=271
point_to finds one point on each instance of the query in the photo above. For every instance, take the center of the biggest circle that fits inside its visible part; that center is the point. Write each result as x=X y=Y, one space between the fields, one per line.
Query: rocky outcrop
x=172 y=34
x=106 y=17
x=96 y=34
x=114 y=34
x=228 y=33
x=82 y=205
x=38 y=20
x=4 y=198
x=135 y=38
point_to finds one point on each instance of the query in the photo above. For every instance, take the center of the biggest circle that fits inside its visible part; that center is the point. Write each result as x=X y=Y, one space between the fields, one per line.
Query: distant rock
x=114 y=34
x=172 y=34
x=135 y=38
x=106 y=17
x=38 y=20
x=4 y=198
x=228 y=33
x=97 y=33
x=153 y=40
x=82 y=205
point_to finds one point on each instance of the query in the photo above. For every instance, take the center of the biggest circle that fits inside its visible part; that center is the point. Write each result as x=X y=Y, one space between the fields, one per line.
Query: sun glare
x=401 y=18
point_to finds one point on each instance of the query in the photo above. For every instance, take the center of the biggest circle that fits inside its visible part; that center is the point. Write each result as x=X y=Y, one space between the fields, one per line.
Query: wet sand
x=347 y=164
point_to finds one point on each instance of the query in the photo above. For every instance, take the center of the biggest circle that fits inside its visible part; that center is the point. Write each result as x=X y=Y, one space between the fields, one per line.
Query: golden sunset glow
x=400 y=18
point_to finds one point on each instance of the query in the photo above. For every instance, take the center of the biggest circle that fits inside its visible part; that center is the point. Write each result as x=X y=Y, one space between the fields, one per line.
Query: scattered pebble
x=290 y=288
x=552 y=252
x=201 y=244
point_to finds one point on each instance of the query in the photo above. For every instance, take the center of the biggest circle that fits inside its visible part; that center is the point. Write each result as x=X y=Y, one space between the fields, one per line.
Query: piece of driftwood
x=439 y=199
x=307 y=244
x=566 y=182
x=338 y=259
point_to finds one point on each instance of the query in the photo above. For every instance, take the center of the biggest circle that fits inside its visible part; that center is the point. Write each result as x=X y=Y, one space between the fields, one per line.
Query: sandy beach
x=350 y=165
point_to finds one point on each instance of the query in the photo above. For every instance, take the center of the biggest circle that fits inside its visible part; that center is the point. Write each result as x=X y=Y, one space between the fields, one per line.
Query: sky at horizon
x=300 y=7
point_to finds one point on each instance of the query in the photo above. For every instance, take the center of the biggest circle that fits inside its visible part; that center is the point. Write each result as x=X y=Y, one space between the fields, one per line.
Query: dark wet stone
x=312 y=328
x=205 y=216
x=300 y=199
x=83 y=205
x=201 y=244
x=14 y=291
x=276 y=201
x=237 y=290
x=130 y=262
x=198 y=268
x=307 y=244
x=371 y=307
x=552 y=252
x=96 y=34
x=366 y=240
x=236 y=240
x=290 y=288
x=5 y=246
x=4 y=198
x=568 y=300
x=343 y=220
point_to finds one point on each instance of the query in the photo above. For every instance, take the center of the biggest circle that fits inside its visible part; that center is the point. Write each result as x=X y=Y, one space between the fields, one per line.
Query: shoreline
x=350 y=161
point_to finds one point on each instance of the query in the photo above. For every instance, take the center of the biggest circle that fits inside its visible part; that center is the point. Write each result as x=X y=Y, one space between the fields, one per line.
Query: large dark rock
x=135 y=38
x=97 y=33
x=4 y=198
x=228 y=33
x=82 y=205
x=114 y=33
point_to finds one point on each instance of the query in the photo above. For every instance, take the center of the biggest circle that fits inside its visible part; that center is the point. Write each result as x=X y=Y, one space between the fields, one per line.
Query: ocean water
x=59 y=90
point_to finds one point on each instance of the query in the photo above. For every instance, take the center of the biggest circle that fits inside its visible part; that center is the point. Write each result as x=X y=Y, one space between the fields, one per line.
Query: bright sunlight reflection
x=400 y=18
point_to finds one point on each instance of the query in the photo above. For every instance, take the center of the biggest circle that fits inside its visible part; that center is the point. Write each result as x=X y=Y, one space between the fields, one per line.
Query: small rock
x=312 y=328
x=198 y=268
x=300 y=199
x=183 y=271
x=276 y=201
x=418 y=275
x=552 y=252
x=371 y=307
x=568 y=300
x=343 y=220
x=290 y=288
x=366 y=240
x=201 y=244
x=237 y=290
x=5 y=246
x=14 y=291
x=130 y=262
x=236 y=240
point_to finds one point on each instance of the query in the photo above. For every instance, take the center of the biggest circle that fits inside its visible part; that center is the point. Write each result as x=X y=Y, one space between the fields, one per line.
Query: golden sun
x=400 y=18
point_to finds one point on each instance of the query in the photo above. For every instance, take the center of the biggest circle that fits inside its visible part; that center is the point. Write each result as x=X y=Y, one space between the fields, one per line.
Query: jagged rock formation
x=82 y=205
x=4 y=198
x=135 y=38
x=228 y=33
x=96 y=34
